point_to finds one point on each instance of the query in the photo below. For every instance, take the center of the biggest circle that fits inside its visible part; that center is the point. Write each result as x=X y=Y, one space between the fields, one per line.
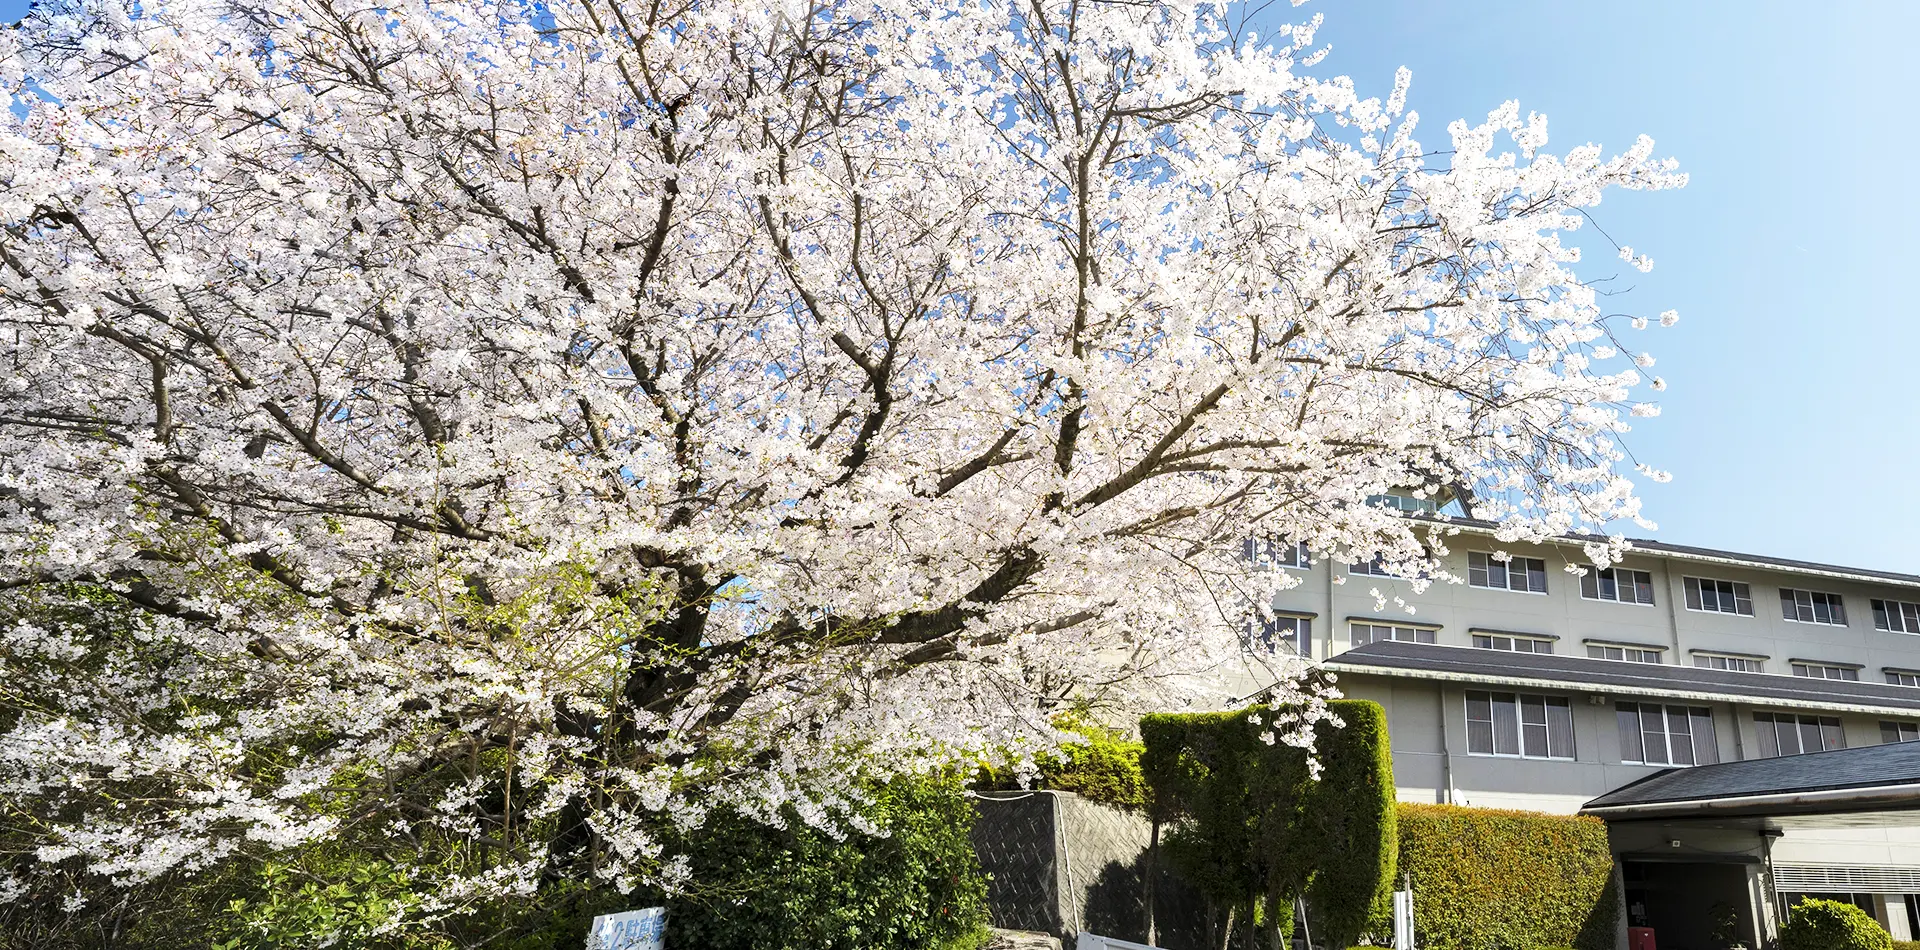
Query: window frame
x=1849 y=672
x=1900 y=731
x=1265 y=632
x=1658 y=654
x=1693 y=717
x=1900 y=677
x=1759 y=662
x=1422 y=634
x=1550 y=725
x=1884 y=615
x=1263 y=552
x=1484 y=569
x=1835 y=603
x=1513 y=640
x=1591 y=580
x=1694 y=595
x=1821 y=726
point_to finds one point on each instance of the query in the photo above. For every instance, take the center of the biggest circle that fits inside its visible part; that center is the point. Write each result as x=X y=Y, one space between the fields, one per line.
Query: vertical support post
x=1153 y=871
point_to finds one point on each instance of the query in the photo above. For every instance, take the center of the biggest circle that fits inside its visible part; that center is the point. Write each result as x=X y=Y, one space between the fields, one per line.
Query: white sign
x=644 y=929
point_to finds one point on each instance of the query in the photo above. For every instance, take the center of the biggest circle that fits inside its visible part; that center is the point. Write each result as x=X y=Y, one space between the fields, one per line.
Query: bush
x=1249 y=818
x=1104 y=768
x=772 y=889
x=1464 y=863
x=1830 y=925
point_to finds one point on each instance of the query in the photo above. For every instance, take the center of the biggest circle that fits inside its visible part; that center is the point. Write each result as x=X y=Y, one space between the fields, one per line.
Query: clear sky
x=1789 y=421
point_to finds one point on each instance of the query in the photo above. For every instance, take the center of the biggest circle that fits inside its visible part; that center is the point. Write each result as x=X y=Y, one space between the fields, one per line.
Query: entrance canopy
x=1846 y=787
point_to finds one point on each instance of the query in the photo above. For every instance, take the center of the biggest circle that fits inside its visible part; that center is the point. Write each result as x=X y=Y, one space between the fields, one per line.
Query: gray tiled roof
x=1864 y=767
x=1647 y=546
x=1493 y=667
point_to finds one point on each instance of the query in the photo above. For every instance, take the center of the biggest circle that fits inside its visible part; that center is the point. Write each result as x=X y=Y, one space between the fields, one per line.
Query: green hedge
x=1489 y=879
x=1252 y=828
x=1815 y=924
x=1104 y=767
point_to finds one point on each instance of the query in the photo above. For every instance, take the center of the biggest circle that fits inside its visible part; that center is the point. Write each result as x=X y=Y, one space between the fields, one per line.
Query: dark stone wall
x=1061 y=864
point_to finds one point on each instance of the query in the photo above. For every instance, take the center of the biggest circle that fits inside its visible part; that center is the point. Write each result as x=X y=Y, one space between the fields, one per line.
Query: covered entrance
x=1712 y=857
x=1669 y=897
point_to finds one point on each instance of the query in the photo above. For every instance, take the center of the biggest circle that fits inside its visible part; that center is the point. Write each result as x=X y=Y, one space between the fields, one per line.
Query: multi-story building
x=1532 y=687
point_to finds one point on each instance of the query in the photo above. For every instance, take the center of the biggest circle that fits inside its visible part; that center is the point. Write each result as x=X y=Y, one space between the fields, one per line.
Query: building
x=1535 y=688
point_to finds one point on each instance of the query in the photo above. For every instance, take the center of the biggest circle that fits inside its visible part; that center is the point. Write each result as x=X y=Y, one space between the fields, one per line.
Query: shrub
x=1249 y=818
x=1104 y=767
x=1464 y=863
x=1830 y=925
x=919 y=887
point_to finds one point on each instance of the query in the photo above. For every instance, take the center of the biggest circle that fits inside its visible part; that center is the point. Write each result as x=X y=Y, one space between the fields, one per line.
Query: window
x=1512 y=643
x=1896 y=615
x=1617 y=584
x=1293 y=634
x=1365 y=633
x=1729 y=661
x=1812 y=606
x=1825 y=671
x=1419 y=506
x=1787 y=734
x=1652 y=734
x=1899 y=732
x=1533 y=727
x=1903 y=677
x=1269 y=553
x=1524 y=574
x=1721 y=597
x=1371 y=568
x=1631 y=654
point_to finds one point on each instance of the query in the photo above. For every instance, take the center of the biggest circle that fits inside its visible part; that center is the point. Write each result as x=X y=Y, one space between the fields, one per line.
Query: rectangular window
x=1519 y=724
x=1728 y=661
x=1364 y=633
x=1371 y=568
x=1512 y=643
x=1896 y=615
x=1903 y=678
x=1608 y=651
x=1264 y=552
x=1899 y=732
x=1826 y=671
x=1277 y=634
x=1652 y=734
x=1617 y=584
x=1788 y=734
x=1721 y=597
x=1525 y=574
x=1812 y=606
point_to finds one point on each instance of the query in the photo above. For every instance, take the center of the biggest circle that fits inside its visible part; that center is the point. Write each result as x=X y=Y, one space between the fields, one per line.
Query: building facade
x=1533 y=687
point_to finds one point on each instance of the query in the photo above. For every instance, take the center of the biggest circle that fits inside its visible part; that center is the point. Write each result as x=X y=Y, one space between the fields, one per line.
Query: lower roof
x=1844 y=780
x=1427 y=661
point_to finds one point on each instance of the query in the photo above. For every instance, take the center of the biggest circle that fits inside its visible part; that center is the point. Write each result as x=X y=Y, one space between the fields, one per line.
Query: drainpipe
x=1446 y=750
x=1674 y=591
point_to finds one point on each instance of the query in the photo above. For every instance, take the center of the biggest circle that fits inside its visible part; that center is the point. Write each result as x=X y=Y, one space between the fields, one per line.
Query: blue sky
x=1789 y=418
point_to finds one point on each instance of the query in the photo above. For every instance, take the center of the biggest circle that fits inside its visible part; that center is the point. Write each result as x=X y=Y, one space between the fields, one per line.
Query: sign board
x=644 y=929
x=1089 y=941
x=1402 y=920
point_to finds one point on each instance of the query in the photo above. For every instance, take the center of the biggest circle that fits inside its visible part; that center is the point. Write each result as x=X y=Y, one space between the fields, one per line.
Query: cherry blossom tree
x=528 y=426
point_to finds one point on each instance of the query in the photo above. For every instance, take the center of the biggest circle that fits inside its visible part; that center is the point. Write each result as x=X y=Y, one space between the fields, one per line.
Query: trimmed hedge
x=1253 y=829
x=1490 y=879
x=1814 y=924
x=1104 y=768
